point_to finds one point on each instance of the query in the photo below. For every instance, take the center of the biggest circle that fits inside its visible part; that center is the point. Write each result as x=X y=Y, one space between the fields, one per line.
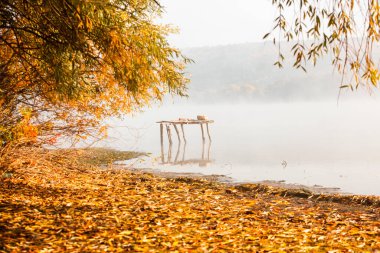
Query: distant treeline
x=245 y=73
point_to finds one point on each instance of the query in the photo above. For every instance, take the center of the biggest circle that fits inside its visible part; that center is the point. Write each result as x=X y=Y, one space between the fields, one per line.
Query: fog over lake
x=321 y=143
x=270 y=124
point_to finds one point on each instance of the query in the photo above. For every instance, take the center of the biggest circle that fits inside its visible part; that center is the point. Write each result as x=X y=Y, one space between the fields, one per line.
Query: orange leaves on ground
x=118 y=211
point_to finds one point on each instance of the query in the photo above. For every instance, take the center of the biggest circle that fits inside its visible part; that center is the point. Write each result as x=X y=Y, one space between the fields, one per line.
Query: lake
x=316 y=143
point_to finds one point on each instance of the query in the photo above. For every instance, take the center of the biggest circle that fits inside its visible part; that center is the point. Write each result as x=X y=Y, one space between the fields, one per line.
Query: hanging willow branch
x=346 y=30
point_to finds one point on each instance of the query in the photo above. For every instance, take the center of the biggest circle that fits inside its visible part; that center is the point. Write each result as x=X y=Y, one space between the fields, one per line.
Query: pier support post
x=162 y=142
x=208 y=132
x=203 y=133
x=176 y=130
x=203 y=150
x=169 y=160
x=183 y=133
x=169 y=134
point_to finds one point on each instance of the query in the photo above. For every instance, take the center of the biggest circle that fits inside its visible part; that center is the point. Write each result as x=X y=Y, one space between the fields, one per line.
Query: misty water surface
x=305 y=143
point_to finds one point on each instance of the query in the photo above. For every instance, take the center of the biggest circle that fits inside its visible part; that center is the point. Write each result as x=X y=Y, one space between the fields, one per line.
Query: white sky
x=218 y=22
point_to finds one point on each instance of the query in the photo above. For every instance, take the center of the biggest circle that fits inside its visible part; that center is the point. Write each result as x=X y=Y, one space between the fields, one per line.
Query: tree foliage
x=348 y=30
x=67 y=64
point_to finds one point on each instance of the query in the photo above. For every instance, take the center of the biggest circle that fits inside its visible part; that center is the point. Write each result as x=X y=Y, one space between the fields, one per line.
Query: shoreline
x=317 y=186
x=317 y=189
x=270 y=187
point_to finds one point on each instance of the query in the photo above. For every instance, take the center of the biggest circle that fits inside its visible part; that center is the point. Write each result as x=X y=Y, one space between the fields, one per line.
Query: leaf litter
x=56 y=207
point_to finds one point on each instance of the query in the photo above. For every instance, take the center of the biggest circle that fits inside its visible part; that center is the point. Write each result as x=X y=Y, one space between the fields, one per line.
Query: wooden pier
x=181 y=122
x=178 y=126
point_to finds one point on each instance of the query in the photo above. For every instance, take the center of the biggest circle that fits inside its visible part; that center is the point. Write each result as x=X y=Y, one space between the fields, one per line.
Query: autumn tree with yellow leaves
x=67 y=64
x=346 y=30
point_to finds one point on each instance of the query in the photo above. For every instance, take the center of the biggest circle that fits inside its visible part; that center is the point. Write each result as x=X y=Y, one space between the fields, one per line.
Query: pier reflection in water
x=180 y=159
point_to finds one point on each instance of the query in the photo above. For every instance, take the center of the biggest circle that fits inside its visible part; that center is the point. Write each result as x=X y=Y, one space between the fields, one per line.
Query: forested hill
x=245 y=73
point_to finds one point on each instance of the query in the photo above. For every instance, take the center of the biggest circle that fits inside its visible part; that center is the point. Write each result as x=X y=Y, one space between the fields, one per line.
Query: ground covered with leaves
x=64 y=207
